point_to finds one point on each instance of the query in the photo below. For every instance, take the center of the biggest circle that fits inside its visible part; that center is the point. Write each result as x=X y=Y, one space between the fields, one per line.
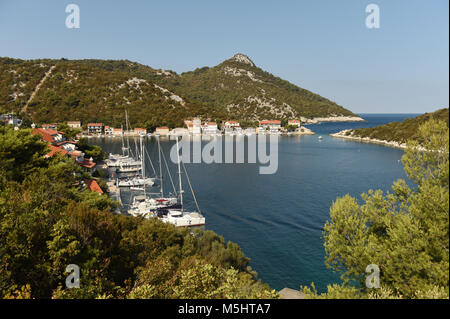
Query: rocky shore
x=318 y=120
x=348 y=134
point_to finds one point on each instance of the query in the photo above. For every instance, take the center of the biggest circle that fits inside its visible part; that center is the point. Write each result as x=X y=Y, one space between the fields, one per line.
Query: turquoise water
x=278 y=219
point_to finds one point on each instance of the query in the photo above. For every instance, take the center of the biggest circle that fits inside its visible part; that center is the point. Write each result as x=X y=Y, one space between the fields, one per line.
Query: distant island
x=394 y=134
x=59 y=90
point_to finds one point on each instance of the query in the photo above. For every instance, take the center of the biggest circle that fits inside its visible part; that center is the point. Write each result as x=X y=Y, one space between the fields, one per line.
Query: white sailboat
x=148 y=207
x=137 y=180
x=180 y=217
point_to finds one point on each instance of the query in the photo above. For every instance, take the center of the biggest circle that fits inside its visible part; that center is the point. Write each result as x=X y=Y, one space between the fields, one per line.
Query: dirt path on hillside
x=36 y=89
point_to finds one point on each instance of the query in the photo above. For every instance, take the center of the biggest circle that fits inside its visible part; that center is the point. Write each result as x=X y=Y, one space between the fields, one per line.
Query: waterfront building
x=210 y=128
x=95 y=128
x=117 y=132
x=231 y=124
x=140 y=131
x=273 y=126
x=109 y=130
x=74 y=124
x=163 y=131
x=296 y=123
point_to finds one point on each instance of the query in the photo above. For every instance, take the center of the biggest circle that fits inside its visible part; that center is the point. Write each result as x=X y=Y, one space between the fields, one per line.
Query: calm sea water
x=278 y=219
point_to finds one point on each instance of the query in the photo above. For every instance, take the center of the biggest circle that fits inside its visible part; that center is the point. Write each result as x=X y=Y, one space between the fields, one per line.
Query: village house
x=93 y=186
x=49 y=135
x=10 y=119
x=231 y=124
x=210 y=128
x=140 y=131
x=52 y=126
x=117 y=132
x=296 y=123
x=179 y=131
x=54 y=150
x=95 y=128
x=196 y=126
x=67 y=145
x=109 y=130
x=74 y=124
x=273 y=125
x=88 y=165
x=162 y=131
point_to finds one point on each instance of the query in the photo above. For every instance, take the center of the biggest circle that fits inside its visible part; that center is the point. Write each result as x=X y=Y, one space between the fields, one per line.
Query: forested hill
x=100 y=90
x=240 y=87
x=92 y=90
x=400 y=131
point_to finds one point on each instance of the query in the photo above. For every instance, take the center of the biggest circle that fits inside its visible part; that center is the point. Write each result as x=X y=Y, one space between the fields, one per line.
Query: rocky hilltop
x=245 y=91
x=49 y=90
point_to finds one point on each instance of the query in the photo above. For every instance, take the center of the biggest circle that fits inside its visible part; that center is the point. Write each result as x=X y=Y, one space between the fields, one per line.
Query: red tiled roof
x=211 y=123
x=75 y=153
x=233 y=122
x=55 y=150
x=86 y=163
x=162 y=128
x=93 y=186
x=46 y=136
x=95 y=124
x=139 y=129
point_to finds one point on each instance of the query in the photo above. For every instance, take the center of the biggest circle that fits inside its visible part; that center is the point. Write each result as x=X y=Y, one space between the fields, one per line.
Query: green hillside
x=400 y=131
x=101 y=90
x=92 y=90
x=241 y=88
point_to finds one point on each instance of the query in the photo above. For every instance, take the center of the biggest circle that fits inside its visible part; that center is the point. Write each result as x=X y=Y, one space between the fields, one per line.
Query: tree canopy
x=404 y=232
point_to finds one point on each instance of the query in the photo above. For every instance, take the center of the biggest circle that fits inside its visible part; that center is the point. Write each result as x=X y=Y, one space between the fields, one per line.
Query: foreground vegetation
x=49 y=220
x=400 y=132
x=404 y=232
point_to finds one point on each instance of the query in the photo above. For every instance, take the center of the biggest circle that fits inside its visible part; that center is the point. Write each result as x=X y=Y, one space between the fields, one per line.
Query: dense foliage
x=403 y=131
x=49 y=220
x=405 y=232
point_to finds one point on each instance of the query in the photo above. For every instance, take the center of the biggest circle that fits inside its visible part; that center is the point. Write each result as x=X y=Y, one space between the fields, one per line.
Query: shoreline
x=342 y=135
x=318 y=120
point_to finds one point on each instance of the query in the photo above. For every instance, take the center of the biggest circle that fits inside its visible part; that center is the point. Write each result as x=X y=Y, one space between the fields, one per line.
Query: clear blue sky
x=323 y=46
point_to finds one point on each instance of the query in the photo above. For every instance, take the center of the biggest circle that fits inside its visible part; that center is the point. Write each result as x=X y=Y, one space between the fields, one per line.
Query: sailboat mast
x=123 y=143
x=142 y=158
x=128 y=132
x=179 y=176
x=160 y=169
